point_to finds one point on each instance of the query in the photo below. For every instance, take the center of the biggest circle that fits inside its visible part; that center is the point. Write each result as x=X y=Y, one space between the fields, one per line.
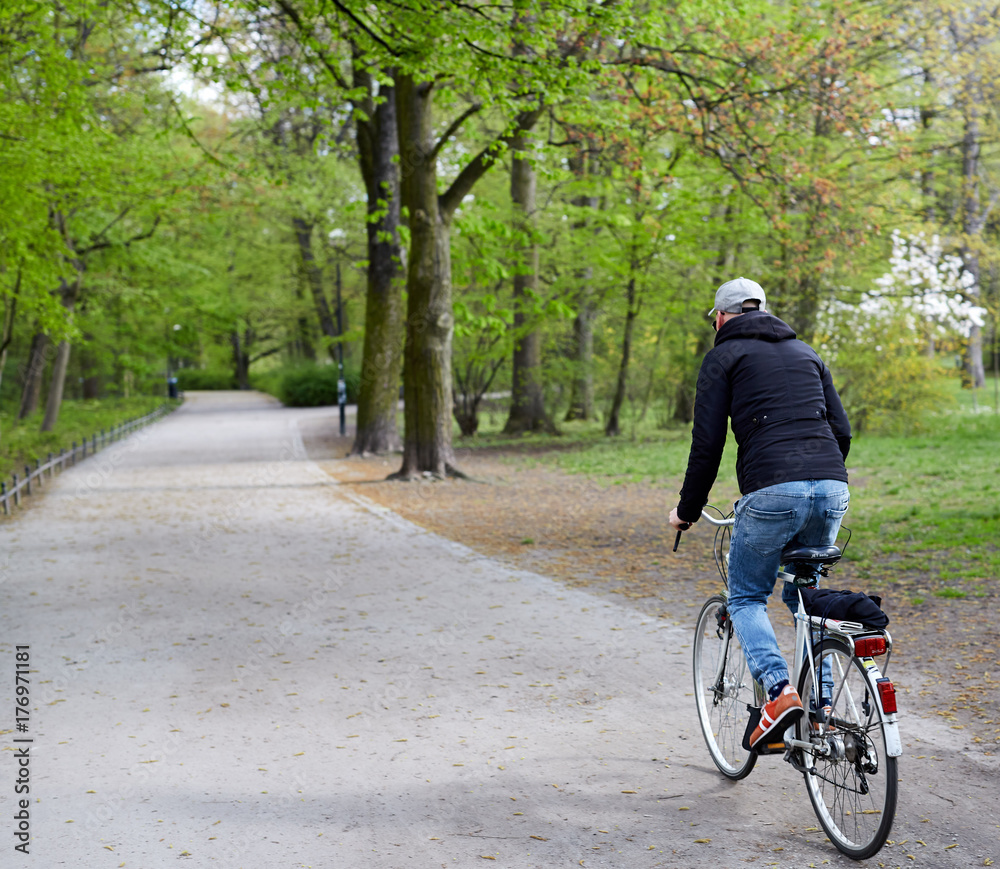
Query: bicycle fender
x=893 y=743
x=890 y=727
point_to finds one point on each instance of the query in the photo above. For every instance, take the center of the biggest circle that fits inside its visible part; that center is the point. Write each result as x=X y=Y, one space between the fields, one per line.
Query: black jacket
x=786 y=415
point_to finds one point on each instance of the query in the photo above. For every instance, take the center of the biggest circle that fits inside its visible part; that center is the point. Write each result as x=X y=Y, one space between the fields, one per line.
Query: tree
x=792 y=111
x=581 y=402
x=381 y=367
x=959 y=60
x=322 y=45
x=44 y=112
x=83 y=110
x=423 y=68
x=527 y=406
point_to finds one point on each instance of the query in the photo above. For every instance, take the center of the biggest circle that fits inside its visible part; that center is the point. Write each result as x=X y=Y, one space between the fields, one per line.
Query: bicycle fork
x=724 y=631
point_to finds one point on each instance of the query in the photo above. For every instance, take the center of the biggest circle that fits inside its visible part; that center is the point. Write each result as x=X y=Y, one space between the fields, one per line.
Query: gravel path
x=235 y=662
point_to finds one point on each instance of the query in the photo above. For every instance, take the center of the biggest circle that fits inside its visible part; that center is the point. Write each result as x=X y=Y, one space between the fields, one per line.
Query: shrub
x=886 y=380
x=316 y=385
x=206 y=378
x=889 y=390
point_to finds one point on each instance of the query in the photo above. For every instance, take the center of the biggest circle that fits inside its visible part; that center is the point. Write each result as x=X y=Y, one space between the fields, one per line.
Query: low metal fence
x=21 y=486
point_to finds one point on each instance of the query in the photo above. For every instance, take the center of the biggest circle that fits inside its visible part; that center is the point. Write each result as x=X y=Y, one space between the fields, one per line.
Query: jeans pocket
x=767 y=532
x=835 y=512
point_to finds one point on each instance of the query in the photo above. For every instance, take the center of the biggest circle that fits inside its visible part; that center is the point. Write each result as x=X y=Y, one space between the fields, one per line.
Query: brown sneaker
x=777 y=714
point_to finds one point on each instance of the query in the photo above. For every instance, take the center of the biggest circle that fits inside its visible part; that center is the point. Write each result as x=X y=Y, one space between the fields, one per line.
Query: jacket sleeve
x=708 y=437
x=836 y=416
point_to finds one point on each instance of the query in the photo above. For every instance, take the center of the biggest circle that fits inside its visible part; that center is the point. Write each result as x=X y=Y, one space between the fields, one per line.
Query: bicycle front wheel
x=723 y=688
x=853 y=782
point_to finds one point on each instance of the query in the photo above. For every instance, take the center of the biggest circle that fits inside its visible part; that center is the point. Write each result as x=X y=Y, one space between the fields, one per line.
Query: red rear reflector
x=887 y=693
x=869 y=647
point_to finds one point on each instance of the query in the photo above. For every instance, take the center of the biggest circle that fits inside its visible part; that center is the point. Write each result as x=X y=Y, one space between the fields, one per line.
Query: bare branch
x=478 y=166
x=296 y=19
x=453 y=128
x=364 y=27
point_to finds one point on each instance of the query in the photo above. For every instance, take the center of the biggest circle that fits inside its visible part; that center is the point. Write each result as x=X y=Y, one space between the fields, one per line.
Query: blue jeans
x=804 y=512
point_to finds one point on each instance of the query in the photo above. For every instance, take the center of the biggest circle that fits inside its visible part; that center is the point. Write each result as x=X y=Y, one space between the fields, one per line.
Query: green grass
x=22 y=442
x=652 y=455
x=932 y=498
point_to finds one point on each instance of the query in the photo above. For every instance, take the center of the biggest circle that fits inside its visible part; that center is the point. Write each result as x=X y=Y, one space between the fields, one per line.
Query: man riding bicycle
x=793 y=437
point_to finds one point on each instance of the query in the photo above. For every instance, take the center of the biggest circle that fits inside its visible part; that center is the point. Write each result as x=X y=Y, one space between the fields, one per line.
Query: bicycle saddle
x=815 y=554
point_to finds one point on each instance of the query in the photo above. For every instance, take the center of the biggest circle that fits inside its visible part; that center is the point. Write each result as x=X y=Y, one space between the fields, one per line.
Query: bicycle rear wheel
x=723 y=688
x=853 y=788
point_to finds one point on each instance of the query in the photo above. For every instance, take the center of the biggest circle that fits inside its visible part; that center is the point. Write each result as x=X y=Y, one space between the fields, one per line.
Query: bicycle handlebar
x=719 y=523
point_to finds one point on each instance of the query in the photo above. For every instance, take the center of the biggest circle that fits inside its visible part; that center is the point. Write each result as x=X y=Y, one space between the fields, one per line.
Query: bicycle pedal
x=751 y=727
x=793 y=756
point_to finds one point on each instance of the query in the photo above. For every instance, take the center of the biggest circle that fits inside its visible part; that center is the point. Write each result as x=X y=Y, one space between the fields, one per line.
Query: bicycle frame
x=844 y=631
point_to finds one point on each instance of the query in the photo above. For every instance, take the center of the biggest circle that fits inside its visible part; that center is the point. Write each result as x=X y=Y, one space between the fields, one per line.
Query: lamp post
x=341 y=383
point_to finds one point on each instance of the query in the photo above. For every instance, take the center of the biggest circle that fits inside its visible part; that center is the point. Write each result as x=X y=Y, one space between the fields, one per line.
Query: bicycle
x=847 y=744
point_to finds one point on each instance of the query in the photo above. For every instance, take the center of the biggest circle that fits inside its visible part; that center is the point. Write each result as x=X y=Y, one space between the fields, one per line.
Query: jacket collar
x=755 y=324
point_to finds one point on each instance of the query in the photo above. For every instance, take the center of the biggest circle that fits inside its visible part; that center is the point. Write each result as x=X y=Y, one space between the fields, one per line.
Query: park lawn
x=932 y=502
x=925 y=504
x=21 y=442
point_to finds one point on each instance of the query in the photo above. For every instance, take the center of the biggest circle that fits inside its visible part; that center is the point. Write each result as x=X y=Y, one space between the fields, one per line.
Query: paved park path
x=234 y=664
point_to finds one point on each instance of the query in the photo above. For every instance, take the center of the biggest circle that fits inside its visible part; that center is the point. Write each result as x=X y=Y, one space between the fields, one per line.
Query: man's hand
x=677 y=522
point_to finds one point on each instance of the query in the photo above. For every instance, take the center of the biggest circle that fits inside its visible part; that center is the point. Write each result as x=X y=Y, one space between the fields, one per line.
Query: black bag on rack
x=848 y=606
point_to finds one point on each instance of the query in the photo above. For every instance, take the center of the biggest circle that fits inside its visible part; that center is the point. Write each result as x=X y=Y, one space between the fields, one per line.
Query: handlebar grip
x=680 y=531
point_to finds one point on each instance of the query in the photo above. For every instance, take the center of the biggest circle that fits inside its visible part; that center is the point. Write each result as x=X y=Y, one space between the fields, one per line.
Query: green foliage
x=310 y=385
x=23 y=443
x=681 y=145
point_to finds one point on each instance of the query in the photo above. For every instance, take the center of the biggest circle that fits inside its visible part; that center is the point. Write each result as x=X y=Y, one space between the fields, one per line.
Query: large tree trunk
x=378 y=152
x=314 y=278
x=973 y=220
x=89 y=370
x=53 y=401
x=10 y=308
x=527 y=407
x=241 y=356
x=427 y=389
x=302 y=346
x=613 y=425
x=581 y=401
x=31 y=393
